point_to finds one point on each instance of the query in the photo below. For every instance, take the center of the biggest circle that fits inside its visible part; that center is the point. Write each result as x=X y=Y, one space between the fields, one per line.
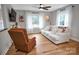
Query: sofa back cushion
x=63 y=29
x=56 y=29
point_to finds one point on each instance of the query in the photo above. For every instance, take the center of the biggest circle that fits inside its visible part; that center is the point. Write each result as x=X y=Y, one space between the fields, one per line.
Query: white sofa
x=56 y=36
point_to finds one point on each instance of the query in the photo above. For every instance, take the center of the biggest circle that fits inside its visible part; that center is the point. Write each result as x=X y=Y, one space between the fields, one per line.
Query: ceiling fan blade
x=47 y=7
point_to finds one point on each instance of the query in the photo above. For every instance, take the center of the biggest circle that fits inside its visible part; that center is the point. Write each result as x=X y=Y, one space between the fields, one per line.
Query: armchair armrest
x=31 y=43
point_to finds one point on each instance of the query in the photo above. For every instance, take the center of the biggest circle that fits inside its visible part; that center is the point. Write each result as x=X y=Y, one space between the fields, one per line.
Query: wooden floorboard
x=46 y=47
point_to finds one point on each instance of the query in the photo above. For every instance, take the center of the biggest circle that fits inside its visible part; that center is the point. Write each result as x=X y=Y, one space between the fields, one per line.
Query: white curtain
x=29 y=21
x=41 y=21
x=58 y=17
x=69 y=12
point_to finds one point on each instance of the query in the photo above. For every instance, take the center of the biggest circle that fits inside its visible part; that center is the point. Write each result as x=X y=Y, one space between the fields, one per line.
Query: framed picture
x=21 y=19
x=12 y=15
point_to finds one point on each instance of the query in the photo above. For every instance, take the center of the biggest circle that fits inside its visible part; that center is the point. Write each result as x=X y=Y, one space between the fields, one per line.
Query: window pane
x=62 y=19
x=35 y=19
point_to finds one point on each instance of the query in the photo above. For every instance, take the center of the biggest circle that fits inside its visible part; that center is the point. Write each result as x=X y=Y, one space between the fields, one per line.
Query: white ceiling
x=32 y=7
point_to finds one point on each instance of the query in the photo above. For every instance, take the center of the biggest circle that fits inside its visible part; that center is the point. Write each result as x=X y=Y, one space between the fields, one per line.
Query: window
x=32 y=21
x=63 y=18
x=35 y=20
x=1 y=22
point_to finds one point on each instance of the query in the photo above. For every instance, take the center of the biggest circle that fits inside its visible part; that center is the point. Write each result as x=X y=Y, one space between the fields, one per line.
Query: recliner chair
x=21 y=40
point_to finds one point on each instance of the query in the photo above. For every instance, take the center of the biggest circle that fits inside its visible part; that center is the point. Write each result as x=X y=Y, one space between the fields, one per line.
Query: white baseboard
x=75 y=39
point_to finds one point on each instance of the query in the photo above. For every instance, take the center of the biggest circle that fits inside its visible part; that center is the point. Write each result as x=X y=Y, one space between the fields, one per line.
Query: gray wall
x=20 y=13
x=75 y=21
x=53 y=18
x=47 y=22
x=5 y=8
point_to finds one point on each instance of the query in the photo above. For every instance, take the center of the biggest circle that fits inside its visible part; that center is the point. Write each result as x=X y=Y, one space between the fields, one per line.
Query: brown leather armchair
x=20 y=39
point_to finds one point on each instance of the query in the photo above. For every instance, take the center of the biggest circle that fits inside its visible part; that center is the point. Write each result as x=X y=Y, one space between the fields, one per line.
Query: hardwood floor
x=46 y=47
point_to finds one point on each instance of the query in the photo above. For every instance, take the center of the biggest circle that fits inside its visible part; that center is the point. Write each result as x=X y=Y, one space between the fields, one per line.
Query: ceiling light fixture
x=41 y=5
x=41 y=9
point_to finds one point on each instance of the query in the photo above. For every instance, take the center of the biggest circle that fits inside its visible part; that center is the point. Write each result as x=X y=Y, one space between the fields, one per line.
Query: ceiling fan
x=43 y=7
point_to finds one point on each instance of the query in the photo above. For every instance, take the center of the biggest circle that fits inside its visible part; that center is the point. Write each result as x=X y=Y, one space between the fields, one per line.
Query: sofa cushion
x=54 y=29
